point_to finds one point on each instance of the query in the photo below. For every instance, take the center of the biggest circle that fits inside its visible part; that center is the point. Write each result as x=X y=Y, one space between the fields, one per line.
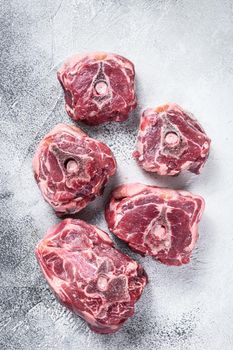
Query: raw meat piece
x=89 y=276
x=71 y=168
x=98 y=87
x=170 y=141
x=156 y=221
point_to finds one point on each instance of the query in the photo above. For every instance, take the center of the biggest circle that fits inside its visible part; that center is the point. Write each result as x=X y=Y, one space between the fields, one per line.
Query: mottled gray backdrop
x=183 y=52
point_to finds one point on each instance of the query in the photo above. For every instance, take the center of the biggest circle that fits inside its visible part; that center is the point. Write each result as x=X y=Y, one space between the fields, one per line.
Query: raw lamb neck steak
x=170 y=140
x=98 y=87
x=156 y=221
x=71 y=169
x=89 y=276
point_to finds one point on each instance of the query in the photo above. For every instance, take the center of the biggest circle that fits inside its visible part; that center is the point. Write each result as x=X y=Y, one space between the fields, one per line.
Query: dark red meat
x=170 y=141
x=71 y=168
x=98 y=87
x=156 y=221
x=89 y=276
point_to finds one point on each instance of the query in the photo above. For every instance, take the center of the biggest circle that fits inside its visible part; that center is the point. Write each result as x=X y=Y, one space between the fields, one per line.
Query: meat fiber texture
x=90 y=276
x=170 y=140
x=98 y=87
x=156 y=221
x=71 y=169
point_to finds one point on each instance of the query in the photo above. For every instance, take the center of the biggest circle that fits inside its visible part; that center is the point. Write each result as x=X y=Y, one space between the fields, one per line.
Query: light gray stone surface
x=183 y=52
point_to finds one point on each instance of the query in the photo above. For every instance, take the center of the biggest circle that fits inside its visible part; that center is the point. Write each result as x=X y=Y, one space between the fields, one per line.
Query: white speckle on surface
x=183 y=53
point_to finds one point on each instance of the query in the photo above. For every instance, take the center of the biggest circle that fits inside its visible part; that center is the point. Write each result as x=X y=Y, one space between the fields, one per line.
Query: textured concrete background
x=183 y=52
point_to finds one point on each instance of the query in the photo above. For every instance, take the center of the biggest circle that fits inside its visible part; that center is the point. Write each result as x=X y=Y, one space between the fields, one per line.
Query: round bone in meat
x=98 y=87
x=170 y=141
x=155 y=221
x=89 y=276
x=71 y=169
